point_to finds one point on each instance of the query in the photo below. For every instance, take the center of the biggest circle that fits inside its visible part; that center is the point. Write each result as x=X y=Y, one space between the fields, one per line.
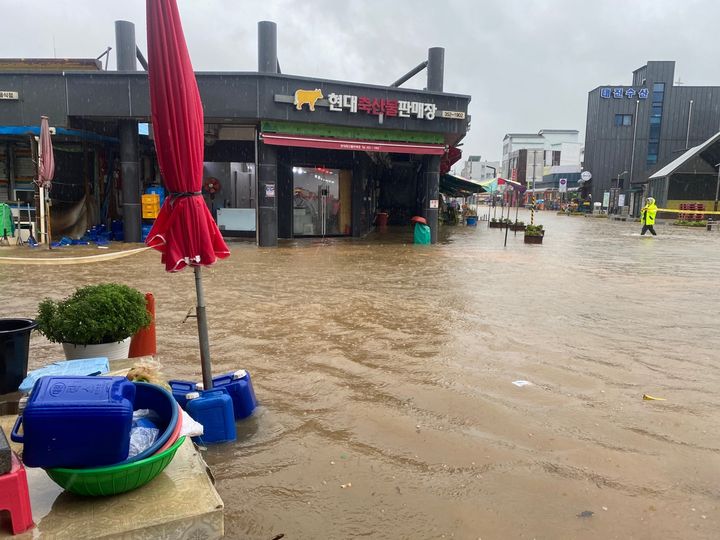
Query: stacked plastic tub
x=79 y=430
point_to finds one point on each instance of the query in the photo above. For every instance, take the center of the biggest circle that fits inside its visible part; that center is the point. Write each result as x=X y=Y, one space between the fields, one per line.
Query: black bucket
x=14 y=348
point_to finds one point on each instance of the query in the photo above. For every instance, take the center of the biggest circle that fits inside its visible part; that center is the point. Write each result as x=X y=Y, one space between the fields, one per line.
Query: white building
x=480 y=170
x=548 y=148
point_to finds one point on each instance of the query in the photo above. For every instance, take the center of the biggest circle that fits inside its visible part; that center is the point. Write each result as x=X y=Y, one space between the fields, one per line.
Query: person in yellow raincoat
x=648 y=213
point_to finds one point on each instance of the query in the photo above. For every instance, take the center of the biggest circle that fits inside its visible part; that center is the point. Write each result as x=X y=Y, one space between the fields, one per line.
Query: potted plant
x=97 y=320
x=534 y=234
x=494 y=223
x=519 y=226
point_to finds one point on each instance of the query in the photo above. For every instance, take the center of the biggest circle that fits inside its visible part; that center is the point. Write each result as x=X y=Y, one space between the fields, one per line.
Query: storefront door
x=321 y=201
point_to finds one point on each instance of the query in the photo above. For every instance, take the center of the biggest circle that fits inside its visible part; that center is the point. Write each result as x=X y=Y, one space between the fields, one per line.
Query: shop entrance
x=322 y=201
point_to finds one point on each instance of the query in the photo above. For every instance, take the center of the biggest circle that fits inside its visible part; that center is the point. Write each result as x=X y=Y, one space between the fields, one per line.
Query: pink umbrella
x=184 y=231
x=46 y=161
x=46 y=171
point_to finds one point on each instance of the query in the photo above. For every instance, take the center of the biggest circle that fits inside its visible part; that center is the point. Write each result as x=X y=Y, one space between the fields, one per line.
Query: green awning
x=457 y=186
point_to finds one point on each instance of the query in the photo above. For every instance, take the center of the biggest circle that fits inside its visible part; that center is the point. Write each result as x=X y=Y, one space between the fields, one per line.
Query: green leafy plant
x=493 y=220
x=534 y=230
x=105 y=313
x=685 y=223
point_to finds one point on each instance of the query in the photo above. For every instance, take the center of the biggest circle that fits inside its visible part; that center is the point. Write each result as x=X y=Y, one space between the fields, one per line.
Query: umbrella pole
x=203 y=330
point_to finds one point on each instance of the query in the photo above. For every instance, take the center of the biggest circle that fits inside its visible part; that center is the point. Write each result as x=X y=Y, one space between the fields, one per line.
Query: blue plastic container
x=116 y=227
x=214 y=410
x=240 y=388
x=471 y=221
x=237 y=384
x=159 y=190
x=76 y=422
x=145 y=231
x=180 y=389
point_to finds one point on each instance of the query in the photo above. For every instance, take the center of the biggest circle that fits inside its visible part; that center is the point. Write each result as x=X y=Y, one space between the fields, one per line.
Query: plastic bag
x=144 y=431
x=190 y=427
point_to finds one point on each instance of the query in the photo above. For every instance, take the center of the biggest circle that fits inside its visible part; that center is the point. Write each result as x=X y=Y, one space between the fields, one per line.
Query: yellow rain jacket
x=648 y=213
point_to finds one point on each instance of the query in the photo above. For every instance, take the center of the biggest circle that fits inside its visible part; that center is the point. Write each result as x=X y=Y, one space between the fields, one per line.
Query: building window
x=556 y=158
x=658 y=97
x=623 y=120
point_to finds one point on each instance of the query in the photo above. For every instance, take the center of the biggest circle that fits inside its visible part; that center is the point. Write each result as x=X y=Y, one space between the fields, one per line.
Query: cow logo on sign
x=307 y=96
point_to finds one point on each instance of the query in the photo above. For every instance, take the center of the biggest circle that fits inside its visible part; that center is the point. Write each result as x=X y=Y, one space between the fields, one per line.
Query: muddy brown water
x=387 y=368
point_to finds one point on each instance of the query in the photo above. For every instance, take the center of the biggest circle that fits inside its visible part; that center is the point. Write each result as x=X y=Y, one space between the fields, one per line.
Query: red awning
x=328 y=143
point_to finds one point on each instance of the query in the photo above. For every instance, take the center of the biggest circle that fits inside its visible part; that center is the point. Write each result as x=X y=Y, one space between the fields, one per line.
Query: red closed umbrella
x=184 y=231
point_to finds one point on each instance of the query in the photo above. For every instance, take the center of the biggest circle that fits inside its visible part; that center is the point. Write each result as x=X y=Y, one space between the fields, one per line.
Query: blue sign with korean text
x=619 y=93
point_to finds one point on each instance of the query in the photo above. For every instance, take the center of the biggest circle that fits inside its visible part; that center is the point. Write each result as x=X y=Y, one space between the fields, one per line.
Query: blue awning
x=24 y=131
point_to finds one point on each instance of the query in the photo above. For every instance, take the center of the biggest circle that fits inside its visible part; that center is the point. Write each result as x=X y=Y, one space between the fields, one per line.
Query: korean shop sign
x=620 y=93
x=304 y=99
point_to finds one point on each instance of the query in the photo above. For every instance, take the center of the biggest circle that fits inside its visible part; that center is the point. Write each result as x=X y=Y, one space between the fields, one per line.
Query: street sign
x=562 y=186
x=586 y=175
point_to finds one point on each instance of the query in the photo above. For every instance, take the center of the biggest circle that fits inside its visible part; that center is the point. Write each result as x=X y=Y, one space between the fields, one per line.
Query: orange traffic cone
x=144 y=343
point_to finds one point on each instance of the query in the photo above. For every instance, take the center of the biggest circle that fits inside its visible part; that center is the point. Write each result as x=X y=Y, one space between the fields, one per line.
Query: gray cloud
x=527 y=64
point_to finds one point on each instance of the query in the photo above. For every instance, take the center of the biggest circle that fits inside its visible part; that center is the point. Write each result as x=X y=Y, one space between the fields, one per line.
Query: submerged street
x=385 y=373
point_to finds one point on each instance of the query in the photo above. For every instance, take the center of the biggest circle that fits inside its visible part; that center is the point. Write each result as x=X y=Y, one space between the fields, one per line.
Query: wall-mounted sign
x=434 y=203
x=9 y=94
x=620 y=93
x=387 y=107
x=458 y=115
x=270 y=190
x=307 y=96
x=586 y=175
x=380 y=107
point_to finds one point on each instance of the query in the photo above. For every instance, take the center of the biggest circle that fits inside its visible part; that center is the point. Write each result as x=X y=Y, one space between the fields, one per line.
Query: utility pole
x=532 y=201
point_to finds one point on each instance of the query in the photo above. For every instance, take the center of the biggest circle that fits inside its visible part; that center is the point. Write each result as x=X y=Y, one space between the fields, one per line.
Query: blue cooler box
x=76 y=422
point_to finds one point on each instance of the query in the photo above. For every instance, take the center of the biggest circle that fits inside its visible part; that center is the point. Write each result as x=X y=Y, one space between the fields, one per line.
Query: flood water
x=387 y=368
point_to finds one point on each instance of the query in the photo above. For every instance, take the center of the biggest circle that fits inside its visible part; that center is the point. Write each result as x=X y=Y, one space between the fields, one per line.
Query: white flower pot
x=111 y=351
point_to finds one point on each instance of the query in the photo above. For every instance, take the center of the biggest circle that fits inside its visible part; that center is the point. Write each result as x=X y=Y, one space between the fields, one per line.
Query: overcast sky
x=528 y=65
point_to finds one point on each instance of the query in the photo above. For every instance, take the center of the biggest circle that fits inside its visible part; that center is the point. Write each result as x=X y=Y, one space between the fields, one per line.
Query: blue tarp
x=85 y=366
x=22 y=131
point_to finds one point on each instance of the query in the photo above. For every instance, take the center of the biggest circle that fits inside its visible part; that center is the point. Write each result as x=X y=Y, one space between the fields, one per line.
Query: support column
x=125 y=47
x=435 y=69
x=285 y=194
x=129 y=166
x=267 y=47
x=359 y=177
x=267 y=177
x=128 y=133
x=431 y=182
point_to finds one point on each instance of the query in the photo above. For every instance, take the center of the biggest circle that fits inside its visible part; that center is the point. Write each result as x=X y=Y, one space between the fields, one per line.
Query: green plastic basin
x=102 y=481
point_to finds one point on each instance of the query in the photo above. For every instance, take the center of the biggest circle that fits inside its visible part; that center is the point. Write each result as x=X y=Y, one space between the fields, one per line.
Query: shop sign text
x=386 y=107
x=620 y=93
x=9 y=94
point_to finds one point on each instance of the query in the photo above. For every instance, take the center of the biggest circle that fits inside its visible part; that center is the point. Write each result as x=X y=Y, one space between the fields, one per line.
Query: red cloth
x=184 y=231
x=46 y=165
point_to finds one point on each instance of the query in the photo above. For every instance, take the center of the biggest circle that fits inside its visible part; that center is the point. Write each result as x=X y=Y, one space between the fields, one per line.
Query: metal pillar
x=435 y=69
x=431 y=183
x=125 y=46
x=128 y=133
x=130 y=167
x=267 y=47
x=267 y=222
